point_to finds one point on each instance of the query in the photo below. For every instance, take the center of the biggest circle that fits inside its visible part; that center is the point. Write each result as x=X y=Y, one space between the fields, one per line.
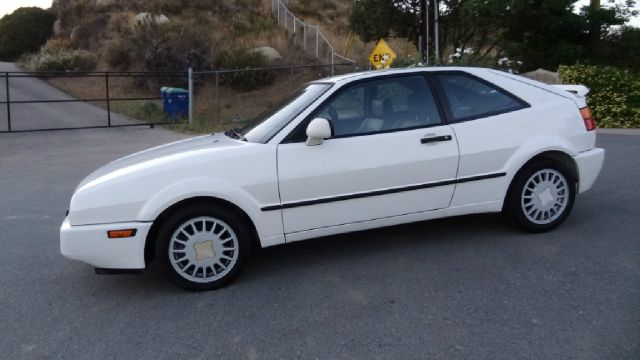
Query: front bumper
x=589 y=165
x=90 y=244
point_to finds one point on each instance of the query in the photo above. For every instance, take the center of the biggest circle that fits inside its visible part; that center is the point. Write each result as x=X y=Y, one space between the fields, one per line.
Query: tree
x=23 y=31
x=375 y=19
x=541 y=33
x=620 y=48
x=545 y=33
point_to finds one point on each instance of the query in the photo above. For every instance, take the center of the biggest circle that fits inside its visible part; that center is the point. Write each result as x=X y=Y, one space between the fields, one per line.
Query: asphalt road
x=47 y=115
x=462 y=288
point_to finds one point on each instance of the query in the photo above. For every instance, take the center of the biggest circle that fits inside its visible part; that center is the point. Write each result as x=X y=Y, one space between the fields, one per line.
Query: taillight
x=589 y=122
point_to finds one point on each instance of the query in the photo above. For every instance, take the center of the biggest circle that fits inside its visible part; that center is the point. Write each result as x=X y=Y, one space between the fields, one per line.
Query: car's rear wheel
x=541 y=196
x=202 y=246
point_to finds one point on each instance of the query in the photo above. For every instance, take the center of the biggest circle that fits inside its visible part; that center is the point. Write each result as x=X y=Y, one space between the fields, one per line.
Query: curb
x=619 y=131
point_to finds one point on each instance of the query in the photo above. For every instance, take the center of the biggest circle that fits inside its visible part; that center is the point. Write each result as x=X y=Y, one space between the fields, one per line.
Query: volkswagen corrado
x=342 y=154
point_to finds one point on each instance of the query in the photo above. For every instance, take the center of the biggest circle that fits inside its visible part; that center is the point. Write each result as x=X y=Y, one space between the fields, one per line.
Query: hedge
x=614 y=95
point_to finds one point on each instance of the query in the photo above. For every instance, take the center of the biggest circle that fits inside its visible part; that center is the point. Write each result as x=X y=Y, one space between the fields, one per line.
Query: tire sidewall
x=514 y=209
x=176 y=219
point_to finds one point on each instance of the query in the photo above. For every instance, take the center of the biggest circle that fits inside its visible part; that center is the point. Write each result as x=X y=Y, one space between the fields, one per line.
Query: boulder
x=545 y=76
x=57 y=27
x=75 y=33
x=145 y=17
x=272 y=55
x=105 y=3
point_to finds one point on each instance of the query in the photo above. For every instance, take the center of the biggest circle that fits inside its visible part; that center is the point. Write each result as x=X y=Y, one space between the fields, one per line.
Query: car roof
x=483 y=73
x=346 y=78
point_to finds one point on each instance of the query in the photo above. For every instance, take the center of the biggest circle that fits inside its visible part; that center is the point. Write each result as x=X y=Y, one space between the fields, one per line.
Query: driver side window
x=389 y=104
x=346 y=112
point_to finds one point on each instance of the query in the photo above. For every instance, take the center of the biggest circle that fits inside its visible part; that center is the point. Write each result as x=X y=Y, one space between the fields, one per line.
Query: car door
x=490 y=124
x=391 y=154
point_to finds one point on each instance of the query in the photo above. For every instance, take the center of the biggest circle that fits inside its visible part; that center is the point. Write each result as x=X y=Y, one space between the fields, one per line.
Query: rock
x=272 y=55
x=57 y=27
x=146 y=17
x=545 y=76
x=105 y=3
x=75 y=33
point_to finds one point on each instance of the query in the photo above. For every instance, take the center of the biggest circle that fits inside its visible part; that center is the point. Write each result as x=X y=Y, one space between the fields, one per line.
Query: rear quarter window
x=472 y=98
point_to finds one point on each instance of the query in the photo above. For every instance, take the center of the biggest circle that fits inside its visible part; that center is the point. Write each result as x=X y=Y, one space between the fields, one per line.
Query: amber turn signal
x=113 y=234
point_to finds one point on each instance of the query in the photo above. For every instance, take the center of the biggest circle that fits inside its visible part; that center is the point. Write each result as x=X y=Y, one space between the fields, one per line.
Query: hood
x=160 y=154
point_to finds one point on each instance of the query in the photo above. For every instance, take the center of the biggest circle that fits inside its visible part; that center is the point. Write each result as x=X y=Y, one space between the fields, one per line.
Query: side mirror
x=318 y=130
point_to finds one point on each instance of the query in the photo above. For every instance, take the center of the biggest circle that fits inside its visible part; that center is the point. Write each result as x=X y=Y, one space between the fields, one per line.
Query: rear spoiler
x=578 y=90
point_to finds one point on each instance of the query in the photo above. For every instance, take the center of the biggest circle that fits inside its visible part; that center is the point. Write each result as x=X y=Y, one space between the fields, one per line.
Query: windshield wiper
x=235 y=134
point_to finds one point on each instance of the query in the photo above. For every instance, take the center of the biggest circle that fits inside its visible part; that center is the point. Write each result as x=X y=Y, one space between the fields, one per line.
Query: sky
x=8 y=6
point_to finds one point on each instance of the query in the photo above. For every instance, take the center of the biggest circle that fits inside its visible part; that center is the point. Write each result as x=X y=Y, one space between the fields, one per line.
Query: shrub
x=116 y=54
x=56 y=56
x=170 y=6
x=169 y=47
x=614 y=95
x=243 y=59
x=23 y=31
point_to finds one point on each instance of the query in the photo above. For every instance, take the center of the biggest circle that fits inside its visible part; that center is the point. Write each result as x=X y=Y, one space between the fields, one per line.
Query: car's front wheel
x=541 y=196
x=202 y=246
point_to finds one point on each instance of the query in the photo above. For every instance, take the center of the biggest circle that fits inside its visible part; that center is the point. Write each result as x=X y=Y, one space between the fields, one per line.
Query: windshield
x=265 y=126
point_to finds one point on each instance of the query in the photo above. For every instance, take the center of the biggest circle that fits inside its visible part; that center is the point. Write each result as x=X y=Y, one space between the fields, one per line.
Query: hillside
x=333 y=18
x=175 y=34
x=165 y=34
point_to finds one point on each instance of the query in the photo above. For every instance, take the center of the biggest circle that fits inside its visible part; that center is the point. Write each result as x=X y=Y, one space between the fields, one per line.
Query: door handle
x=431 y=139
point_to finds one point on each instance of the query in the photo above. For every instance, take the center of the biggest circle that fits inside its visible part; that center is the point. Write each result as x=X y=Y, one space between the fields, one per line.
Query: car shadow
x=376 y=243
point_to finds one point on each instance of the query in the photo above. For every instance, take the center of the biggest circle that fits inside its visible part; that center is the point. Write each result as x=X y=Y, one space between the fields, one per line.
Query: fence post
x=278 y=1
x=190 y=97
x=218 y=95
x=106 y=88
x=6 y=78
x=332 y=57
x=304 y=35
x=317 y=40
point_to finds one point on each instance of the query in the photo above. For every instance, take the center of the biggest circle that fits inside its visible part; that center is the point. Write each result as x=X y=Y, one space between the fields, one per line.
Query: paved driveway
x=47 y=115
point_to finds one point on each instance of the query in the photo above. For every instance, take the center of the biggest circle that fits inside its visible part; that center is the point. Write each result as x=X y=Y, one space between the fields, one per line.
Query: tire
x=541 y=196
x=202 y=246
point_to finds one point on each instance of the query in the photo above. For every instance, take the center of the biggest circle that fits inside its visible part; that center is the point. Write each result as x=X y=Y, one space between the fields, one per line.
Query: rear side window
x=470 y=98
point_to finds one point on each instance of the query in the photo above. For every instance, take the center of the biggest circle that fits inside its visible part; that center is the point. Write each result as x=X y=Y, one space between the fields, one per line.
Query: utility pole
x=594 y=31
x=424 y=31
x=436 y=35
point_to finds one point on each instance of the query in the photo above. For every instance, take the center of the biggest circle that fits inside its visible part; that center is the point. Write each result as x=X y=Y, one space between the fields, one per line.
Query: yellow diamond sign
x=382 y=56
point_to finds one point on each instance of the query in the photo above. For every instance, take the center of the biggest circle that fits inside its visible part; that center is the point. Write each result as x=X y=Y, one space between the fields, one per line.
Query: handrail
x=282 y=15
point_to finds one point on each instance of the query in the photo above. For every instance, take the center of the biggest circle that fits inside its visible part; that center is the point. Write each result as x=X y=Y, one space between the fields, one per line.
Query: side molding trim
x=359 y=195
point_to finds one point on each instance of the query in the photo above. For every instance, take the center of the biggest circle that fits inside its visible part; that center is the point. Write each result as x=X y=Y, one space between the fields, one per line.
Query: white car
x=342 y=154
